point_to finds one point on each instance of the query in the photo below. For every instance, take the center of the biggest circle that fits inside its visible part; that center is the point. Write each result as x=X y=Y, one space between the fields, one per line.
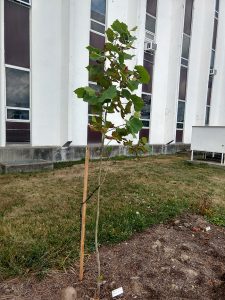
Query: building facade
x=43 y=60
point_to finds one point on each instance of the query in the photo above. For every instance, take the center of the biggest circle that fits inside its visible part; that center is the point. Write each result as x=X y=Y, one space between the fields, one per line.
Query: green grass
x=40 y=213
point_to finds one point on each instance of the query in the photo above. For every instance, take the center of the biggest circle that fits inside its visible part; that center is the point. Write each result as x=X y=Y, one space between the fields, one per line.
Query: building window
x=149 y=56
x=97 y=40
x=186 y=40
x=212 y=62
x=17 y=69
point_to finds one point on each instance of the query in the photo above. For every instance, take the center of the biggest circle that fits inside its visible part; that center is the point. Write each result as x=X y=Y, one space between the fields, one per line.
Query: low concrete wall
x=56 y=154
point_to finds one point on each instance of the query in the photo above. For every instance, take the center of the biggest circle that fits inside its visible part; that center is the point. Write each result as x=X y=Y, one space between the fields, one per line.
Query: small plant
x=114 y=94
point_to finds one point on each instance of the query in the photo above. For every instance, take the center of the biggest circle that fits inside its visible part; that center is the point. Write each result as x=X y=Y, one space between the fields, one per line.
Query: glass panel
x=150 y=24
x=144 y=133
x=179 y=136
x=180 y=111
x=17 y=114
x=214 y=34
x=151 y=7
x=147 y=88
x=207 y=115
x=184 y=61
x=17 y=88
x=209 y=95
x=98 y=8
x=217 y=5
x=94 y=137
x=188 y=16
x=149 y=36
x=17 y=132
x=17 y=41
x=145 y=113
x=97 y=41
x=149 y=56
x=212 y=59
x=185 y=46
x=183 y=83
x=145 y=123
x=180 y=125
x=97 y=27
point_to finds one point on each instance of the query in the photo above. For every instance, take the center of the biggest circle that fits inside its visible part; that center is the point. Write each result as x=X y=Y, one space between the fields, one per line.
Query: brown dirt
x=179 y=260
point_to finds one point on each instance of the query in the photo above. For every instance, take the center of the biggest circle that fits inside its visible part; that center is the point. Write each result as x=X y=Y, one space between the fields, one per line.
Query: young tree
x=114 y=93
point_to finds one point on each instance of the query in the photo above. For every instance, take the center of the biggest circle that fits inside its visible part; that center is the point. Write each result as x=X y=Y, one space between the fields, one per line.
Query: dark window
x=150 y=23
x=145 y=123
x=97 y=41
x=17 y=44
x=209 y=93
x=180 y=111
x=147 y=88
x=180 y=125
x=17 y=114
x=98 y=8
x=212 y=61
x=188 y=16
x=94 y=137
x=145 y=113
x=185 y=46
x=97 y=27
x=207 y=115
x=144 y=133
x=17 y=88
x=148 y=56
x=214 y=33
x=217 y=5
x=151 y=7
x=17 y=132
x=179 y=136
x=183 y=83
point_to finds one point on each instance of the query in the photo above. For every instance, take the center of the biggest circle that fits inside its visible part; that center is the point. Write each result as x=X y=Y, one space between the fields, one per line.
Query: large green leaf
x=143 y=74
x=119 y=27
x=110 y=93
x=138 y=102
x=110 y=35
x=132 y=85
x=134 y=125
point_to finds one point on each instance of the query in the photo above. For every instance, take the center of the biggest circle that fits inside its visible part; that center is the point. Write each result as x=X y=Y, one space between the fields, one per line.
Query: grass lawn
x=40 y=213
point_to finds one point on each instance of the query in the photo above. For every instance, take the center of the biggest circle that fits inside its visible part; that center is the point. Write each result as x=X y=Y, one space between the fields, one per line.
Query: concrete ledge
x=26 y=166
x=55 y=154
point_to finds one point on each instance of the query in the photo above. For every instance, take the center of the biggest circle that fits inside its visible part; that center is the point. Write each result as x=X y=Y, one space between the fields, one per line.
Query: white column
x=217 y=111
x=46 y=72
x=2 y=78
x=169 y=28
x=199 y=65
x=79 y=32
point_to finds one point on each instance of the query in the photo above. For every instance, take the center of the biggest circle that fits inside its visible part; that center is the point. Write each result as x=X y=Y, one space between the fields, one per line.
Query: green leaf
x=126 y=94
x=138 y=102
x=110 y=93
x=134 y=124
x=110 y=35
x=132 y=85
x=119 y=27
x=143 y=74
x=127 y=109
x=134 y=28
x=80 y=92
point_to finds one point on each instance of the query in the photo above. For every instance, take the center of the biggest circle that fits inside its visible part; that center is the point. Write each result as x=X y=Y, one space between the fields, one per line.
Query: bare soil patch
x=183 y=259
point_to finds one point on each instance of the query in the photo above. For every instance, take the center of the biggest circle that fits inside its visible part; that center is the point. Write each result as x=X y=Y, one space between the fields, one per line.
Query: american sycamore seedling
x=114 y=93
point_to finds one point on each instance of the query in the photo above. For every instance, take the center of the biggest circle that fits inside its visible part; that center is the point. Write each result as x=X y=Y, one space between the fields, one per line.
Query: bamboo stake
x=84 y=205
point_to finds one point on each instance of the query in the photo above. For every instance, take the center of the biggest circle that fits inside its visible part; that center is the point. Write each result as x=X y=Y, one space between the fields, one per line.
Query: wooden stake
x=84 y=205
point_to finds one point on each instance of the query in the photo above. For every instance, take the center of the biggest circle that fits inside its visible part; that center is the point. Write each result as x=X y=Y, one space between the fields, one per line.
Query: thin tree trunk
x=97 y=222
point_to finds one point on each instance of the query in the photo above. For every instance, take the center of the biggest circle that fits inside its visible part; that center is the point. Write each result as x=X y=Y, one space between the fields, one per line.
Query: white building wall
x=199 y=65
x=169 y=27
x=217 y=112
x=46 y=68
x=59 y=34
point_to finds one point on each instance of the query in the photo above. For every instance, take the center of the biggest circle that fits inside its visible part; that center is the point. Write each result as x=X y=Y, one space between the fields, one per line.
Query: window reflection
x=98 y=8
x=17 y=88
